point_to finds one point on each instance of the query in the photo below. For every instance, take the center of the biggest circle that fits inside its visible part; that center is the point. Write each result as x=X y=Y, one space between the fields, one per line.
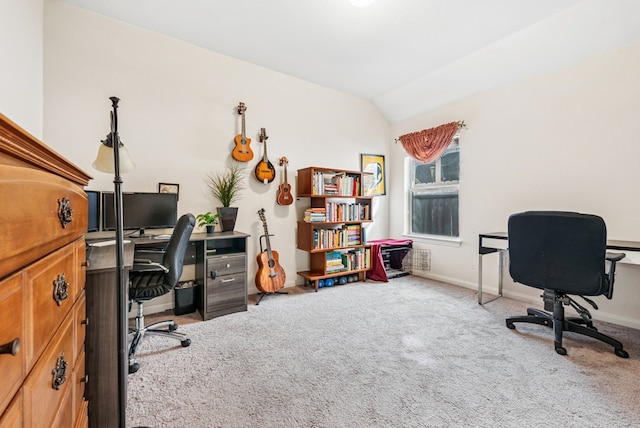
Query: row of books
x=356 y=259
x=337 y=212
x=346 y=236
x=336 y=183
x=338 y=261
x=347 y=212
x=334 y=262
x=315 y=214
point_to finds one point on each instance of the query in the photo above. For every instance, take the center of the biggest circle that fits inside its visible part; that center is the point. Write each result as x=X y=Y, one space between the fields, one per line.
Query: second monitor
x=141 y=211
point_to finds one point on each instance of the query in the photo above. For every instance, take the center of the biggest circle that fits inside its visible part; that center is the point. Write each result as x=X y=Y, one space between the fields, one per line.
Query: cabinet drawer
x=80 y=323
x=49 y=297
x=25 y=193
x=225 y=292
x=12 y=417
x=43 y=403
x=79 y=382
x=11 y=316
x=224 y=265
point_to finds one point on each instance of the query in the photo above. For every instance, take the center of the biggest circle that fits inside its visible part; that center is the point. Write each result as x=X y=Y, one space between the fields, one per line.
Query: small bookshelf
x=331 y=229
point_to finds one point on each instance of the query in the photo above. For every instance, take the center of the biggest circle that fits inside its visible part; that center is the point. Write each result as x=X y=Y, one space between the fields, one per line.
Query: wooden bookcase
x=331 y=230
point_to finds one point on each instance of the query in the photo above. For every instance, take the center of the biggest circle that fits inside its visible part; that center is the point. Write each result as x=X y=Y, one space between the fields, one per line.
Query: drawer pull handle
x=228 y=280
x=59 y=373
x=85 y=379
x=85 y=321
x=213 y=274
x=12 y=347
x=60 y=289
x=65 y=213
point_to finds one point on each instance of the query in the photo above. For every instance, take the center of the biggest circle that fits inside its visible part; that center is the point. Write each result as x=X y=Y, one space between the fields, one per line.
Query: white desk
x=498 y=242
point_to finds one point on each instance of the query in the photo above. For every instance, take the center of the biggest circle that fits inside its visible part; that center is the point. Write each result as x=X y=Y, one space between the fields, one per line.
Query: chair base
x=163 y=328
x=559 y=323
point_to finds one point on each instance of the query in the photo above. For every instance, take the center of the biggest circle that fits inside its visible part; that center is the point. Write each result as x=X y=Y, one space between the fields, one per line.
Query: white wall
x=564 y=141
x=21 y=72
x=178 y=118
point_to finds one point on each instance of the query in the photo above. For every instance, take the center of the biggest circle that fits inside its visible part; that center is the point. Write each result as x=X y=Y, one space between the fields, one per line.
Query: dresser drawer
x=12 y=417
x=226 y=292
x=43 y=403
x=11 y=316
x=27 y=195
x=80 y=323
x=225 y=265
x=49 y=297
x=79 y=382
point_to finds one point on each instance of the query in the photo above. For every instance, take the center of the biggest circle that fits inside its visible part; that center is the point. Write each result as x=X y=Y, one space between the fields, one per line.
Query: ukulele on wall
x=270 y=276
x=283 y=196
x=265 y=171
x=242 y=152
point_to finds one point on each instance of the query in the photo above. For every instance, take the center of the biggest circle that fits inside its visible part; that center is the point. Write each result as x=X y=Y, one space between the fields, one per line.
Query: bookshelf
x=331 y=229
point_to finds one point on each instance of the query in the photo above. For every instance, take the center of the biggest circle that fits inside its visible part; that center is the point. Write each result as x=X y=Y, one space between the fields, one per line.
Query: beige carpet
x=407 y=353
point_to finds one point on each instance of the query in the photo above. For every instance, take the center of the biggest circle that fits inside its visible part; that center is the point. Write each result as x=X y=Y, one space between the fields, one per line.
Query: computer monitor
x=93 y=197
x=141 y=211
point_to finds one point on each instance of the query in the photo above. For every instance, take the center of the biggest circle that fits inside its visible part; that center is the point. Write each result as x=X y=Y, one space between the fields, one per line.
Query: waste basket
x=186 y=297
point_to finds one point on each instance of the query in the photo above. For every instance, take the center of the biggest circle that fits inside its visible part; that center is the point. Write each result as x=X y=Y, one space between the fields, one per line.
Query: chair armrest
x=614 y=257
x=143 y=265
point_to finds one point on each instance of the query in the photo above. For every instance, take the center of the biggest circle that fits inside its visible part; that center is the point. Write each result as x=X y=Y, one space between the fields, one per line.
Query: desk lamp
x=115 y=162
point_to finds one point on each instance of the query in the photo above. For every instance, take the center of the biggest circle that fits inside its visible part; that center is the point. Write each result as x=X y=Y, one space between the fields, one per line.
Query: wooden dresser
x=43 y=219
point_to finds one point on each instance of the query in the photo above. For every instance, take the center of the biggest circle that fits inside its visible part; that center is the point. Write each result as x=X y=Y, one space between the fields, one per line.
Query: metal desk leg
x=500 y=267
x=480 y=279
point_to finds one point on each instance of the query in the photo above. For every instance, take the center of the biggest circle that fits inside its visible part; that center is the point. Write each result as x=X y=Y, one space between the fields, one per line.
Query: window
x=433 y=194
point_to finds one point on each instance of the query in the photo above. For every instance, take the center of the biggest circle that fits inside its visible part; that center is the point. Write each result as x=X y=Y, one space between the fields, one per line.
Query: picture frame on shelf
x=373 y=184
x=169 y=188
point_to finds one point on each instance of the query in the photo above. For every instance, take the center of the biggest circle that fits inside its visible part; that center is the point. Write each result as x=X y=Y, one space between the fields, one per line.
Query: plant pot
x=228 y=217
x=210 y=228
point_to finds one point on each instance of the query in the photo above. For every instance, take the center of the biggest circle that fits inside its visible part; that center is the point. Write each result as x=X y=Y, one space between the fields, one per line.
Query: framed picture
x=374 y=184
x=169 y=188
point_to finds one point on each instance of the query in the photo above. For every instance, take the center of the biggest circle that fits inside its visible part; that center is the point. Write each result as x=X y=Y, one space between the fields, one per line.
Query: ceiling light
x=361 y=3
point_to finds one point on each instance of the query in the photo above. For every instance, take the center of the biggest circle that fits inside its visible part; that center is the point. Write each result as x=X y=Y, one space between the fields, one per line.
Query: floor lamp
x=116 y=162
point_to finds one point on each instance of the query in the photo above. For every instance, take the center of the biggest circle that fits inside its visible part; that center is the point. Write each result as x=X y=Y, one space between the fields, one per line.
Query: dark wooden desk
x=218 y=297
x=498 y=242
x=101 y=344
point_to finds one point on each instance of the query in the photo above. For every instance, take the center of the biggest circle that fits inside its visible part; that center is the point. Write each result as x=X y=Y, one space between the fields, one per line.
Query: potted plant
x=208 y=219
x=226 y=186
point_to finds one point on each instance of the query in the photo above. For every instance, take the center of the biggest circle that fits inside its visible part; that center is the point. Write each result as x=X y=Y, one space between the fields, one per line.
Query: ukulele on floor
x=270 y=276
x=283 y=196
x=265 y=171
x=242 y=152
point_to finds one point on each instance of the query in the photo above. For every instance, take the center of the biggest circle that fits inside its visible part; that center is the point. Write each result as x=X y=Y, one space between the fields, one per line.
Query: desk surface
x=612 y=244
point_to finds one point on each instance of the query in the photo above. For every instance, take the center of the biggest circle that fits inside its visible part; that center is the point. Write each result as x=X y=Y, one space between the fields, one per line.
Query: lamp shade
x=104 y=160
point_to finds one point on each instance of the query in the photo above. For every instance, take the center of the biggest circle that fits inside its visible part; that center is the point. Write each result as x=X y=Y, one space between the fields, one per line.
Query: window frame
x=438 y=186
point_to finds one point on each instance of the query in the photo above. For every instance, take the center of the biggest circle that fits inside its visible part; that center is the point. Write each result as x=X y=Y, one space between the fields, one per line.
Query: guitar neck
x=244 y=138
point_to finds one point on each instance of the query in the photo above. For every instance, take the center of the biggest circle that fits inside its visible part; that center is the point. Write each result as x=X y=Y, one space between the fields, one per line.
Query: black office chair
x=562 y=253
x=148 y=280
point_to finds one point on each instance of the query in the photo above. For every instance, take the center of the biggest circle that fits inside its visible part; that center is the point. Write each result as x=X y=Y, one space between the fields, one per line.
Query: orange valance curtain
x=429 y=144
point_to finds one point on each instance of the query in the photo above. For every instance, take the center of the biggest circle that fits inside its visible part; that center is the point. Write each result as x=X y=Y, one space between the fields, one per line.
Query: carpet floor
x=408 y=353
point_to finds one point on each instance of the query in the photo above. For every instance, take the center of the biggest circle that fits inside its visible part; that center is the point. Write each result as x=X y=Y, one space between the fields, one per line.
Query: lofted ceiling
x=405 y=56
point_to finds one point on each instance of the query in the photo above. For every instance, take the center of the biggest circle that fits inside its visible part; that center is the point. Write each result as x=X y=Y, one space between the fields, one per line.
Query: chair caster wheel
x=621 y=353
x=510 y=325
x=134 y=367
x=185 y=343
x=560 y=350
x=173 y=327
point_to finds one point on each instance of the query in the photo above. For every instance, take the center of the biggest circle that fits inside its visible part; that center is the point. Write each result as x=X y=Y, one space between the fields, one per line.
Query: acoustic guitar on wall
x=283 y=196
x=265 y=171
x=242 y=151
x=270 y=276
